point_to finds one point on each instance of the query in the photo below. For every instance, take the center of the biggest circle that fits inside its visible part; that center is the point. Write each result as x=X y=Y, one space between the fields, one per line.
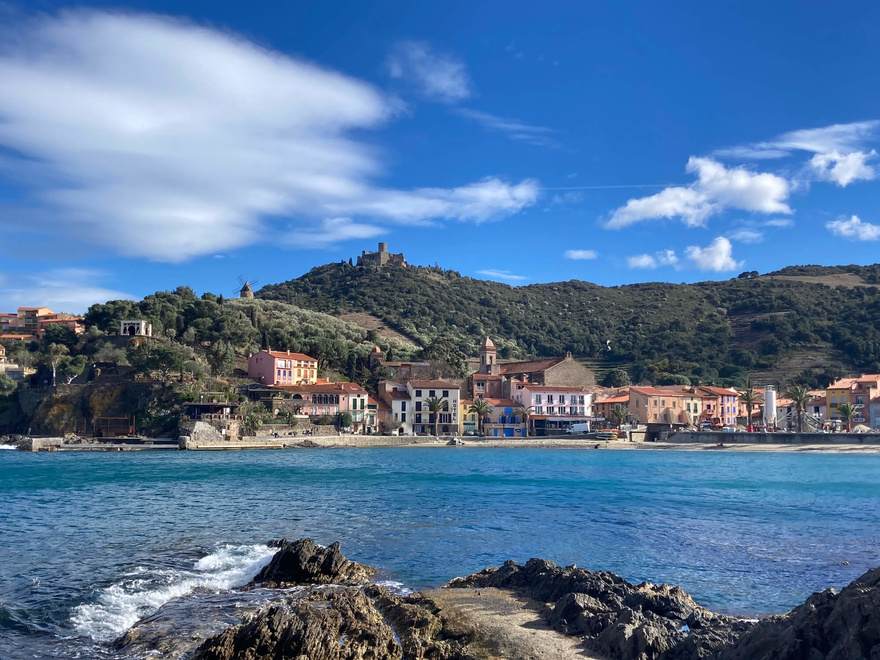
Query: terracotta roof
x=503 y=403
x=435 y=384
x=653 y=391
x=397 y=395
x=292 y=356
x=619 y=398
x=465 y=402
x=22 y=337
x=551 y=388
x=486 y=377
x=718 y=390
x=325 y=388
x=529 y=367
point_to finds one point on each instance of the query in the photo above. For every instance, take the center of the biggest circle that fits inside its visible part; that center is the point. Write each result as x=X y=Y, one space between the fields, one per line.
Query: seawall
x=687 y=437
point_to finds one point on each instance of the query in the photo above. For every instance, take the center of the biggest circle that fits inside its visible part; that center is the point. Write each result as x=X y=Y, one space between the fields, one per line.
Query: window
x=418 y=405
x=418 y=418
x=432 y=393
x=573 y=410
x=402 y=417
x=581 y=399
x=551 y=410
x=550 y=398
x=418 y=393
x=674 y=403
x=539 y=410
x=445 y=393
x=403 y=405
x=537 y=399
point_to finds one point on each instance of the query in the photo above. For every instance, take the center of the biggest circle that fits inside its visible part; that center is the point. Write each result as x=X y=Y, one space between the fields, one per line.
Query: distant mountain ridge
x=777 y=325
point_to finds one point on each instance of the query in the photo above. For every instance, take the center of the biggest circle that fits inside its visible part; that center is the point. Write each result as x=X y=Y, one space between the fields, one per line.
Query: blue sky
x=147 y=145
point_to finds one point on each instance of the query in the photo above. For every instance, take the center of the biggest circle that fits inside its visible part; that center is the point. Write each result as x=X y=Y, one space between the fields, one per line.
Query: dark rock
x=616 y=618
x=828 y=626
x=336 y=625
x=305 y=562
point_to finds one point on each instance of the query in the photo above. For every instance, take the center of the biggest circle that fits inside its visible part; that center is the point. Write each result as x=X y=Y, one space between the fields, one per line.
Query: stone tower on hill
x=381 y=258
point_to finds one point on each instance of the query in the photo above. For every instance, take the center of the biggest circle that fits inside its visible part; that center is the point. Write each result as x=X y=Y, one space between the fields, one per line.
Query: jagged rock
x=423 y=633
x=617 y=619
x=828 y=626
x=305 y=562
x=336 y=625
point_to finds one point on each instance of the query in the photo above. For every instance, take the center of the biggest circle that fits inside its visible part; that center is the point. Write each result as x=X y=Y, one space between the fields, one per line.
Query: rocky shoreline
x=321 y=606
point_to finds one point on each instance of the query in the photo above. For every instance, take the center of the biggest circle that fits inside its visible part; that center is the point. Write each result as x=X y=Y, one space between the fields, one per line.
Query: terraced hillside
x=709 y=331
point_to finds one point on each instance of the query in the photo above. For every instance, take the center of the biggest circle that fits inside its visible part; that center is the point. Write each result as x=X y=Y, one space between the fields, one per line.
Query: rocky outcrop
x=828 y=626
x=306 y=562
x=335 y=625
x=617 y=619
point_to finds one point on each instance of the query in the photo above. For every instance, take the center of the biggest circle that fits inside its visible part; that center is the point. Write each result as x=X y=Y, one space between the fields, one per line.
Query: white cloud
x=717 y=188
x=512 y=128
x=162 y=139
x=746 y=236
x=439 y=77
x=661 y=258
x=840 y=150
x=332 y=231
x=854 y=228
x=717 y=257
x=843 y=169
x=778 y=222
x=580 y=254
x=70 y=290
x=568 y=198
x=504 y=275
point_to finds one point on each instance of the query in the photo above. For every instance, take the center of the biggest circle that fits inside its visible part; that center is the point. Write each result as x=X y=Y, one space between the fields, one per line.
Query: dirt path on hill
x=509 y=626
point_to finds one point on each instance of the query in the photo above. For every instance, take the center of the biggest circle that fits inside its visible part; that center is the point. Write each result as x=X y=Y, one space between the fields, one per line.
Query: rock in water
x=617 y=619
x=305 y=562
x=828 y=626
x=336 y=625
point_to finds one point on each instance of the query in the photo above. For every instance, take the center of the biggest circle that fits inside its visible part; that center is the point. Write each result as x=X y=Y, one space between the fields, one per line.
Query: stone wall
x=570 y=373
x=777 y=438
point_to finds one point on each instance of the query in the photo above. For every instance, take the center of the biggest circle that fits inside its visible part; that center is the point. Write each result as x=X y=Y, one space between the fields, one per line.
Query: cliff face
x=71 y=408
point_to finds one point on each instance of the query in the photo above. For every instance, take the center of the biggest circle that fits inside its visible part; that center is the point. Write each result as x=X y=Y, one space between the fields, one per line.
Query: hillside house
x=282 y=368
x=856 y=391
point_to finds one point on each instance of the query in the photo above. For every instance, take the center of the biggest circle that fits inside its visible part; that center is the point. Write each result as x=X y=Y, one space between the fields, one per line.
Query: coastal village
x=284 y=394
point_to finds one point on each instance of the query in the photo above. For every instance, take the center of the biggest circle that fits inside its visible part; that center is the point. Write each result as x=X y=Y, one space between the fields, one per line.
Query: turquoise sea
x=90 y=542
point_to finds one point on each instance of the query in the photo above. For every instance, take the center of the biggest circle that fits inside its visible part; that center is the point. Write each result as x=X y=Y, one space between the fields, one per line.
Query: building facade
x=34 y=321
x=553 y=408
x=649 y=405
x=423 y=419
x=135 y=328
x=857 y=392
x=282 y=368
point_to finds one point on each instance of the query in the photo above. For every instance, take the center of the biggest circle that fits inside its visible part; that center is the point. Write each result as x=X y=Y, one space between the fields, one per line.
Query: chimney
x=288 y=351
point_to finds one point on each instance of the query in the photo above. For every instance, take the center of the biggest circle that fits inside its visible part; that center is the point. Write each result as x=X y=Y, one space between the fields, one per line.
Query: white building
x=135 y=329
x=423 y=420
x=553 y=407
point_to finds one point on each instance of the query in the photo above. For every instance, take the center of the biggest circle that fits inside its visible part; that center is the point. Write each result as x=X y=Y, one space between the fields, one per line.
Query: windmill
x=245 y=287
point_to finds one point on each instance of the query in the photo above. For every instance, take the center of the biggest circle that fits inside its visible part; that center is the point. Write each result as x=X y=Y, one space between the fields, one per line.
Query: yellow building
x=854 y=391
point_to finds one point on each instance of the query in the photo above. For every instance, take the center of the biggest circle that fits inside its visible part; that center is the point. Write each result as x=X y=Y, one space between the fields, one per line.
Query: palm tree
x=481 y=409
x=799 y=396
x=524 y=413
x=847 y=411
x=749 y=399
x=620 y=413
x=435 y=405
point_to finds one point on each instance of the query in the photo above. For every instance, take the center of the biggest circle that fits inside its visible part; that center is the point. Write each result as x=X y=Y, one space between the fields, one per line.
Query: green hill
x=777 y=326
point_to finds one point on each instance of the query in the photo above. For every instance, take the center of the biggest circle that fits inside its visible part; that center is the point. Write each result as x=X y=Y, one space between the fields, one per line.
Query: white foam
x=122 y=604
x=8 y=447
x=395 y=587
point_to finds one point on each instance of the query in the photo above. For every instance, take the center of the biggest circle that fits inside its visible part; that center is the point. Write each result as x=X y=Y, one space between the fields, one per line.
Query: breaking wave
x=143 y=591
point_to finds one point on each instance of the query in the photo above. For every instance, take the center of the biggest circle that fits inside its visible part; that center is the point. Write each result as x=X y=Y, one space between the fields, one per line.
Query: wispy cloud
x=437 y=76
x=70 y=290
x=661 y=258
x=512 y=128
x=331 y=232
x=716 y=257
x=717 y=188
x=841 y=150
x=854 y=228
x=778 y=222
x=581 y=254
x=746 y=236
x=159 y=138
x=504 y=275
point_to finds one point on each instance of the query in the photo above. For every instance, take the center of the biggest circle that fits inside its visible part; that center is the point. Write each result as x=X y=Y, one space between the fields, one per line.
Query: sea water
x=91 y=542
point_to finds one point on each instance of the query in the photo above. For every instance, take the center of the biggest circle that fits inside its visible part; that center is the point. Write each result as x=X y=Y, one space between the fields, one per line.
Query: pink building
x=282 y=368
x=554 y=407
